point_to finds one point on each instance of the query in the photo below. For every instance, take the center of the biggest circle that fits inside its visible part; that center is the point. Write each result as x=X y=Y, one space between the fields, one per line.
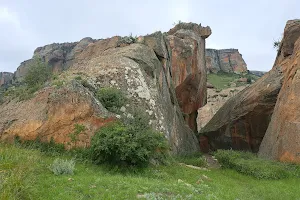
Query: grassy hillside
x=25 y=174
x=223 y=80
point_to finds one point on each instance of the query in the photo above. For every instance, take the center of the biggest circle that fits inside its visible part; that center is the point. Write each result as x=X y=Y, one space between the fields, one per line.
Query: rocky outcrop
x=225 y=60
x=143 y=70
x=215 y=100
x=58 y=56
x=187 y=42
x=5 y=78
x=257 y=73
x=249 y=117
x=242 y=121
x=282 y=138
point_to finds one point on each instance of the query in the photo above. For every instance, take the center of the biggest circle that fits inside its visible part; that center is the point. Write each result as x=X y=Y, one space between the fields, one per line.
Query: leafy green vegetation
x=25 y=174
x=111 y=98
x=78 y=128
x=38 y=73
x=127 y=145
x=249 y=164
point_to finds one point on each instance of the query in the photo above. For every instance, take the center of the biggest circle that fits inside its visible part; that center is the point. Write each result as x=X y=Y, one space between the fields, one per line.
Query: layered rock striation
x=225 y=60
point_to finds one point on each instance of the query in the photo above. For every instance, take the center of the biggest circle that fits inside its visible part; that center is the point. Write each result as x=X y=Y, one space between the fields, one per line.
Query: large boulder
x=248 y=118
x=142 y=70
x=242 y=121
x=187 y=42
x=225 y=60
x=282 y=138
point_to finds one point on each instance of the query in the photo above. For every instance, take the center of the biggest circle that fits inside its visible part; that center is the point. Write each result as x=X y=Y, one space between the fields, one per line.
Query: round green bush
x=121 y=144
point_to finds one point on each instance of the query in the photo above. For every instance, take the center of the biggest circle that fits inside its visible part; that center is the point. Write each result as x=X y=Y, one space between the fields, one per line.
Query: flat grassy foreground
x=25 y=174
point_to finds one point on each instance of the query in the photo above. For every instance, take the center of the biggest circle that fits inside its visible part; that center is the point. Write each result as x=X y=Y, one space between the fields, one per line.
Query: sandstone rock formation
x=225 y=60
x=282 y=139
x=58 y=56
x=187 y=42
x=249 y=117
x=243 y=120
x=215 y=100
x=5 y=78
x=153 y=72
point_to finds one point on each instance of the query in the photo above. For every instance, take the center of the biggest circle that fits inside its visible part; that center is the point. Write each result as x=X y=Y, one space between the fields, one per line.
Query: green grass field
x=224 y=80
x=25 y=174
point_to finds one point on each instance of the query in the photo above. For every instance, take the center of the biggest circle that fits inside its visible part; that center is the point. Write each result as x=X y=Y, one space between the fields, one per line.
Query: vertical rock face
x=226 y=60
x=5 y=78
x=187 y=43
x=282 y=139
x=58 y=56
x=154 y=72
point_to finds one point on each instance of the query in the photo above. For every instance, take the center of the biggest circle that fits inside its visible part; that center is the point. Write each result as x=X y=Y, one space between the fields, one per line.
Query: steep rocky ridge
x=225 y=60
x=282 y=138
x=154 y=72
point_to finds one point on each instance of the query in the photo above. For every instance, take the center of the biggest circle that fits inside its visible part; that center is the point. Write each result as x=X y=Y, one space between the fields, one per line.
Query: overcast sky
x=250 y=26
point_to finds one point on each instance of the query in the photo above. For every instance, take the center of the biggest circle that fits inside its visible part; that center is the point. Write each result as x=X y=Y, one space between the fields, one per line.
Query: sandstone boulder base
x=282 y=139
x=225 y=60
x=5 y=78
x=149 y=72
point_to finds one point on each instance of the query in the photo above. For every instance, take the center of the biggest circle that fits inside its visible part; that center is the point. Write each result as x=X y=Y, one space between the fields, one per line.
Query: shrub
x=111 y=98
x=37 y=74
x=276 y=45
x=60 y=167
x=127 y=145
x=249 y=164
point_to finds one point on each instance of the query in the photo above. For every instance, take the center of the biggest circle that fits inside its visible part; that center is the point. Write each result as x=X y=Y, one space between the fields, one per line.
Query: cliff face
x=162 y=74
x=225 y=60
x=5 y=78
x=282 y=138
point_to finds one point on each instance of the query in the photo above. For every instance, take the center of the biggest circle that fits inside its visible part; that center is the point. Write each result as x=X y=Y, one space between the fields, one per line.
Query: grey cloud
x=250 y=26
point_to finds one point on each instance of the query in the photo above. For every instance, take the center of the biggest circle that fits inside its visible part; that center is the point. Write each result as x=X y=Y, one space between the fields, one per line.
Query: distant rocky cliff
x=225 y=60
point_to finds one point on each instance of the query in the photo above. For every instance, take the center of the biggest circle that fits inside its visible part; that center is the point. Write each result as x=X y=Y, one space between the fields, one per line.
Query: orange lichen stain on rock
x=289 y=157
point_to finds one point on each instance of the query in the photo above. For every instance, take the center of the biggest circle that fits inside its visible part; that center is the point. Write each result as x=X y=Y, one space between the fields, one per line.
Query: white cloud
x=17 y=43
x=9 y=17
